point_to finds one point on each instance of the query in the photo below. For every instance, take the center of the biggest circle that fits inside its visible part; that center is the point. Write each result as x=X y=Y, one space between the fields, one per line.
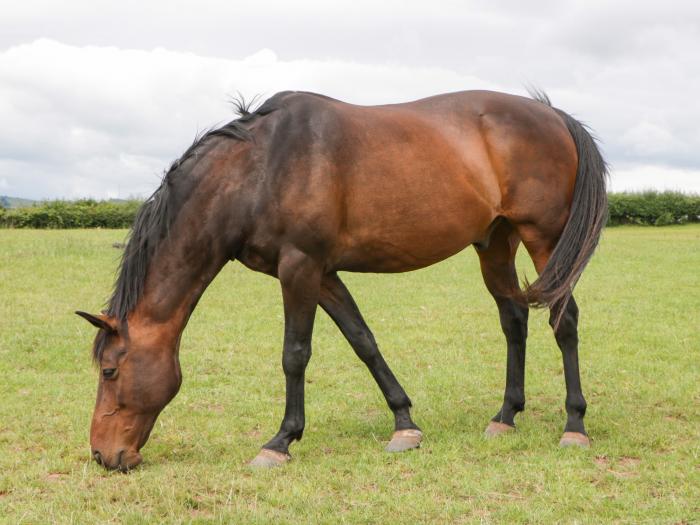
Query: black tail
x=587 y=217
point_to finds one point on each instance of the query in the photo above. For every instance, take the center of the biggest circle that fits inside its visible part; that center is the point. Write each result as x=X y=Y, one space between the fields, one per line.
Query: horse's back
x=401 y=186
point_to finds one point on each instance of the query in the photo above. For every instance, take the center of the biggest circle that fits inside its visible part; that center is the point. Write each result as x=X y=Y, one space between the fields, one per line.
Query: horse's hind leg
x=340 y=306
x=540 y=246
x=498 y=270
x=567 y=339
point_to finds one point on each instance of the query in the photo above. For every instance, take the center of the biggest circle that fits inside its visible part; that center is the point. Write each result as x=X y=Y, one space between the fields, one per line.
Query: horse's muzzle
x=123 y=460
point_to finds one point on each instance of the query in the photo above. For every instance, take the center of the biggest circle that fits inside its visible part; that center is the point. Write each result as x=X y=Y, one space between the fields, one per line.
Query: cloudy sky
x=96 y=98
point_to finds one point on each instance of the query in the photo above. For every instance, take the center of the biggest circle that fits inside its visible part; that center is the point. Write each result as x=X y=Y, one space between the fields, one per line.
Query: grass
x=438 y=328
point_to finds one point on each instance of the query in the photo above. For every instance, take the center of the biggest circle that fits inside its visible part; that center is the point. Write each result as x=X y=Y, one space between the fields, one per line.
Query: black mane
x=155 y=216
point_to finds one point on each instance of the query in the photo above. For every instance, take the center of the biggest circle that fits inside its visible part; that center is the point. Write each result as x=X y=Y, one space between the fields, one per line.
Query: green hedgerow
x=86 y=213
x=645 y=208
x=653 y=208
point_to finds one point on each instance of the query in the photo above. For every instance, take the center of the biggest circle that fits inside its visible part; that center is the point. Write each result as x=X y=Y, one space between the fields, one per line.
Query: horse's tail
x=587 y=217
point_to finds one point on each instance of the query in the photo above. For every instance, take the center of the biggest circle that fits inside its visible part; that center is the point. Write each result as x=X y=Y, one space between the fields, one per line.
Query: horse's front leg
x=300 y=277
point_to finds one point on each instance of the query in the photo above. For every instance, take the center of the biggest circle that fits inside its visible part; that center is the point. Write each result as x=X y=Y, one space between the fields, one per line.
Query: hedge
x=71 y=214
x=653 y=208
x=650 y=208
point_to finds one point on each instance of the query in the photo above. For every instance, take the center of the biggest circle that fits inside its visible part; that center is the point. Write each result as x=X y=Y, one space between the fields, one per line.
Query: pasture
x=438 y=329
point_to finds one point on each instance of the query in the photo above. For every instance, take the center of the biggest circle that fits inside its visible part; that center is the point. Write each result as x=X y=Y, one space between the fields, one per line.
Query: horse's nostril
x=119 y=461
x=97 y=456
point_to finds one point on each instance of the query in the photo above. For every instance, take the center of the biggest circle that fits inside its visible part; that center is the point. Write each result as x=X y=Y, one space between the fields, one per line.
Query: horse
x=306 y=186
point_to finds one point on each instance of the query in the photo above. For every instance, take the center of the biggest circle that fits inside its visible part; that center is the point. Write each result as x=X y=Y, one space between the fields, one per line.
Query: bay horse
x=306 y=186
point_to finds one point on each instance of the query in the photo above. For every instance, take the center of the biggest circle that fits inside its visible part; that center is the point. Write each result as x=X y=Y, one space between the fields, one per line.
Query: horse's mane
x=156 y=214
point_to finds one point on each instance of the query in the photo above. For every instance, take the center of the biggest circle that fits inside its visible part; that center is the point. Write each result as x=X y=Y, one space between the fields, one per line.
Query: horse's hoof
x=497 y=428
x=405 y=440
x=267 y=458
x=575 y=439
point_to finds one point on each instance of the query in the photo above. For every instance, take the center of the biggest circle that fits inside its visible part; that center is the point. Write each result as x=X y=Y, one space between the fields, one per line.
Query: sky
x=97 y=98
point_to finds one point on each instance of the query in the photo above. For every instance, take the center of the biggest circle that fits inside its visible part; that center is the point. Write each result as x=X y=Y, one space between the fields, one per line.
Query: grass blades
x=438 y=329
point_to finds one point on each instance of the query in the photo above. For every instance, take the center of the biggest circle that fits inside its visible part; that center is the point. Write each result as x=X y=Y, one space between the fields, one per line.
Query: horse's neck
x=210 y=205
x=182 y=267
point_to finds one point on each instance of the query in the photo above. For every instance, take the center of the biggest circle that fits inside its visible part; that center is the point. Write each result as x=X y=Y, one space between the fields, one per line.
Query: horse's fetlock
x=294 y=428
x=576 y=405
x=399 y=402
x=515 y=401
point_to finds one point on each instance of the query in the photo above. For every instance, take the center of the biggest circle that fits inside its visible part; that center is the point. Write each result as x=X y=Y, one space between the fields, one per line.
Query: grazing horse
x=307 y=186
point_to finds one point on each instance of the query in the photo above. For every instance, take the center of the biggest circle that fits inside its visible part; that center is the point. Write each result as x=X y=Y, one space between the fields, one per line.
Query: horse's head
x=139 y=375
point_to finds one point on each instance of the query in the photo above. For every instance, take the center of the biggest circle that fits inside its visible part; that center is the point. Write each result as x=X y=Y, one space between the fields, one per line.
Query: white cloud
x=645 y=177
x=101 y=108
x=89 y=121
x=648 y=138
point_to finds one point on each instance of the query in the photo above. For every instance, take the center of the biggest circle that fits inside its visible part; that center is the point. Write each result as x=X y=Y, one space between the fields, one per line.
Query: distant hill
x=15 y=202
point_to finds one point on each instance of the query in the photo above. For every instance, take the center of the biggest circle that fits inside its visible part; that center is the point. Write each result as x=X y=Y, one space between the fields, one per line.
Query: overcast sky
x=96 y=98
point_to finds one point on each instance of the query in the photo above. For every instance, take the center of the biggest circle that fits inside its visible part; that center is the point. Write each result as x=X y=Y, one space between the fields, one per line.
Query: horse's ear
x=100 y=321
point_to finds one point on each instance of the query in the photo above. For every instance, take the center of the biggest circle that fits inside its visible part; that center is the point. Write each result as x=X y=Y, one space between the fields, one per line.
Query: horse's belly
x=387 y=255
x=396 y=232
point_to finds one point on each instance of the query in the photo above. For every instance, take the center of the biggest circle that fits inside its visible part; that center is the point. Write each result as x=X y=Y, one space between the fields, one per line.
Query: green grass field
x=438 y=329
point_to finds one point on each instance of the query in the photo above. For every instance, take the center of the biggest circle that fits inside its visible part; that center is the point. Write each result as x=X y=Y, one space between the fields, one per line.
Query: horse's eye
x=109 y=373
